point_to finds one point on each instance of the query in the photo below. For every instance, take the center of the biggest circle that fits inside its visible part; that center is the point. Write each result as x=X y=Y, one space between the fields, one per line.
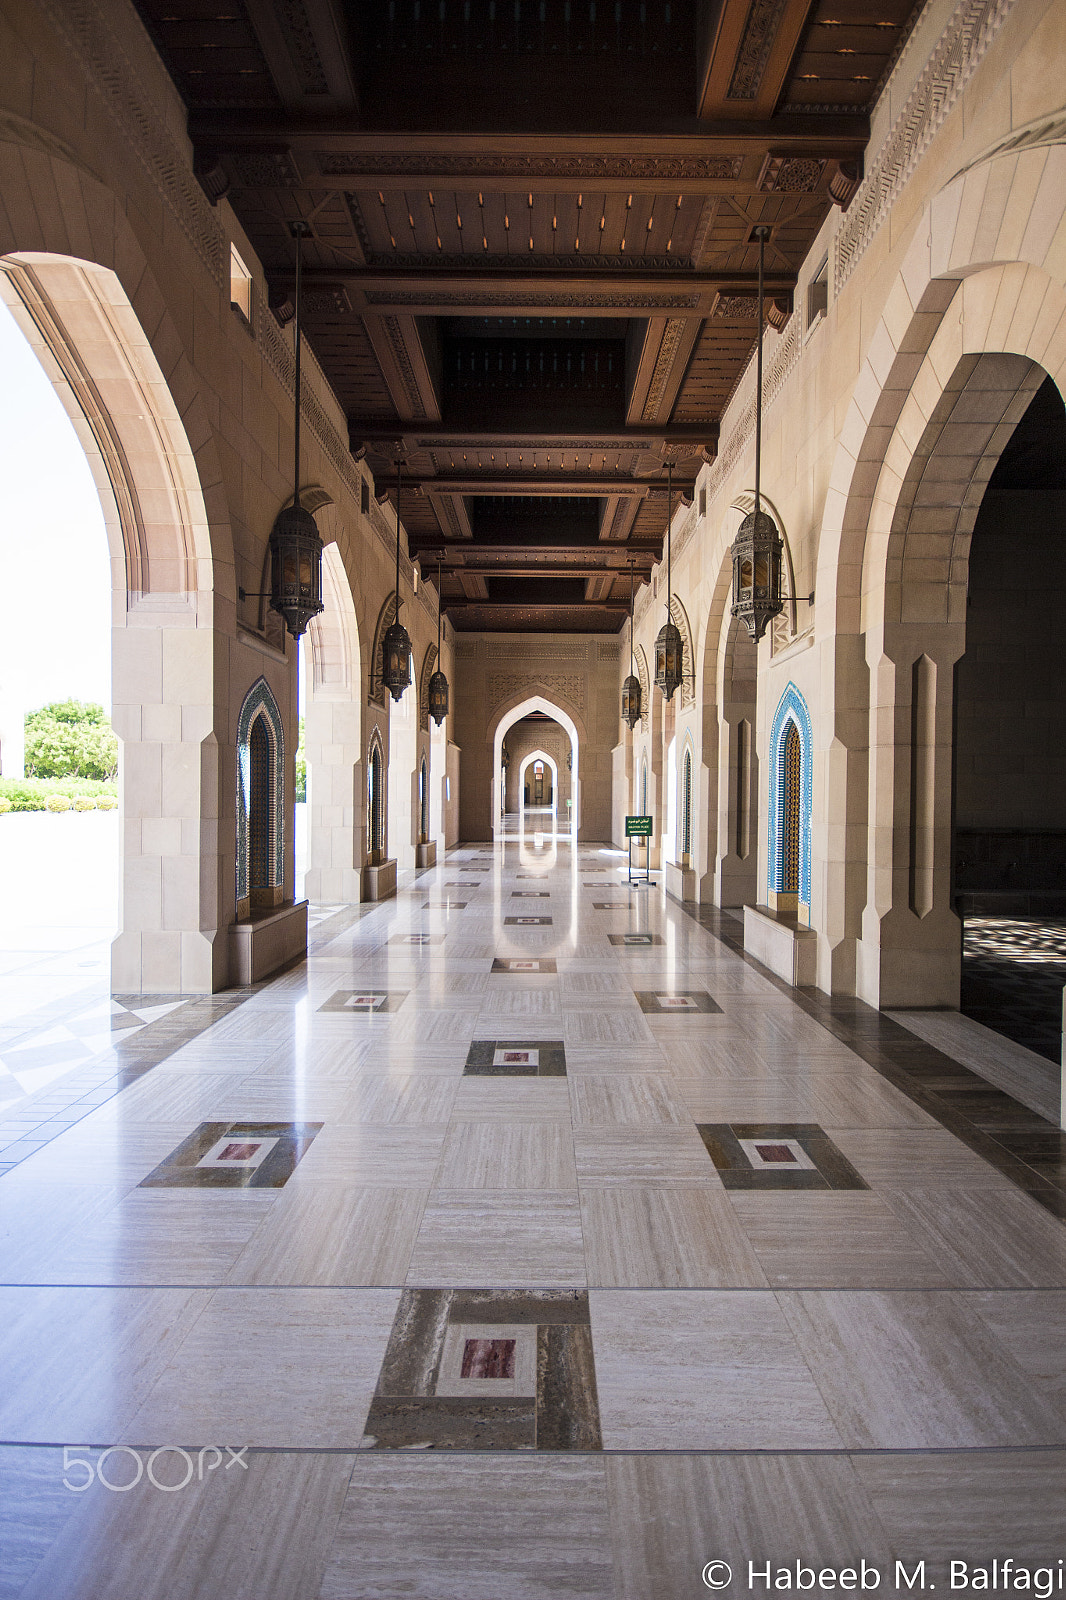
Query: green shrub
x=84 y=802
x=106 y=802
x=71 y=738
x=57 y=802
x=5 y=805
x=31 y=794
x=301 y=768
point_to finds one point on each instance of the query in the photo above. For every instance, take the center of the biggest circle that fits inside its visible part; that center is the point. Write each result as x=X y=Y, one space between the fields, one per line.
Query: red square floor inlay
x=776 y=1152
x=488 y=1358
x=238 y=1152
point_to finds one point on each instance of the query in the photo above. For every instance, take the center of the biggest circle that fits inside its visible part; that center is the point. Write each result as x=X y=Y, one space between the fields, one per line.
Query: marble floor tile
x=497 y=1155
x=984 y=1238
x=333 y=1234
x=703 y=1370
x=900 y=1157
x=842 y=1102
x=272 y=1368
x=915 y=1368
x=465 y=1528
x=246 y=1532
x=624 y=1099
x=656 y=1157
x=389 y=1098
x=373 y=1155
x=519 y=1002
x=500 y=1239
x=512 y=1100
x=102 y=1149
x=1031 y=1326
x=671 y=1513
x=637 y=1238
x=978 y=1506
x=37 y=1220
x=605 y=1027
x=78 y=1362
x=834 y=1239
x=167 y=1237
x=760 y=1101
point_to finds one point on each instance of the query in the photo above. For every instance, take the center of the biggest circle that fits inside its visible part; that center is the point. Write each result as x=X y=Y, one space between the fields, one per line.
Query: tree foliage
x=71 y=739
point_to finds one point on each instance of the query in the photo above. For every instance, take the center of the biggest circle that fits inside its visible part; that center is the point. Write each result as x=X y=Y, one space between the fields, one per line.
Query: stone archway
x=333 y=736
x=176 y=895
x=890 y=592
x=505 y=721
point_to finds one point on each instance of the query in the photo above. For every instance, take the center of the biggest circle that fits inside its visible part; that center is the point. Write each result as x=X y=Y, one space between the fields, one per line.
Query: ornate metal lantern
x=438 y=683
x=396 y=645
x=758 y=550
x=669 y=653
x=295 y=547
x=631 y=706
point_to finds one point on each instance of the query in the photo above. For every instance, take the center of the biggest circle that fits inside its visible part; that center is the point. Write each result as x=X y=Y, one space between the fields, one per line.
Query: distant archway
x=507 y=721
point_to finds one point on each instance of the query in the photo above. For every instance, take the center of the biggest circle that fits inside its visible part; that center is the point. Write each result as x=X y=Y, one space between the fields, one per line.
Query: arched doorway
x=85 y=332
x=541 y=707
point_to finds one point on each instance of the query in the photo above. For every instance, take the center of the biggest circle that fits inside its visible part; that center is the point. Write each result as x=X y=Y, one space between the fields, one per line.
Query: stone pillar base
x=426 y=854
x=269 y=939
x=379 y=883
x=780 y=943
x=680 y=881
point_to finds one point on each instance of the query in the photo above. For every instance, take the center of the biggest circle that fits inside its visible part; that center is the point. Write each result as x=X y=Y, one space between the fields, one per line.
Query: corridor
x=534 y=1242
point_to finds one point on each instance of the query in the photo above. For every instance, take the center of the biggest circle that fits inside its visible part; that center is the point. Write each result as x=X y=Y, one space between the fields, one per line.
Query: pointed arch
x=376 y=807
x=506 y=721
x=429 y=667
x=789 y=801
x=377 y=694
x=260 y=864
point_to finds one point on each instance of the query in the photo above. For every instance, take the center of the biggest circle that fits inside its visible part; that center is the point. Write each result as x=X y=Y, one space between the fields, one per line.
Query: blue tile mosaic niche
x=790 y=789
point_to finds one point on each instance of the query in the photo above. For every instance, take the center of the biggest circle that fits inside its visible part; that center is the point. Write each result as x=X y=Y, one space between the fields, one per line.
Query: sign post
x=639 y=828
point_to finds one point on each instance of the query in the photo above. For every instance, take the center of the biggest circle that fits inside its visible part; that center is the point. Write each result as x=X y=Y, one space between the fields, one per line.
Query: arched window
x=423 y=803
x=789 y=835
x=790 y=811
x=375 y=808
x=686 y=806
x=260 y=787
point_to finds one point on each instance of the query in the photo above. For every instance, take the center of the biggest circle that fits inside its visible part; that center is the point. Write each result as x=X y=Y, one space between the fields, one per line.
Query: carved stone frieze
x=958 y=53
x=568 y=686
x=791 y=174
x=481 y=297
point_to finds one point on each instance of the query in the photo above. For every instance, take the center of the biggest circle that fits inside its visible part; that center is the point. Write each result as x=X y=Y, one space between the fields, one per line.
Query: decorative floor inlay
x=417 y=938
x=527 y=922
x=610 y=905
x=644 y=939
x=530 y=894
x=524 y=964
x=367 y=1001
x=487 y=1369
x=235 y=1155
x=516 y=1058
x=454 y=885
x=777 y=1155
x=444 y=905
x=675 y=1002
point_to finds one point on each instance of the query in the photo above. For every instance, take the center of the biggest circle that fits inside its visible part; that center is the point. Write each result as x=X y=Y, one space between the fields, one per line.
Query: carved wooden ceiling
x=531 y=275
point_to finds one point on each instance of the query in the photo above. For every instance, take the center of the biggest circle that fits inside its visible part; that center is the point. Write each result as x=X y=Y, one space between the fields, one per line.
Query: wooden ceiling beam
x=406 y=437
x=503 y=291
x=552 y=484
x=747 y=53
x=544 y=163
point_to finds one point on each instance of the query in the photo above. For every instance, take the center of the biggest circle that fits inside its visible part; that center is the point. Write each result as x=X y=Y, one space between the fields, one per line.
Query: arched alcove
x=260 y=867
x=86 y=333
x=789 y=807
x=506 y=720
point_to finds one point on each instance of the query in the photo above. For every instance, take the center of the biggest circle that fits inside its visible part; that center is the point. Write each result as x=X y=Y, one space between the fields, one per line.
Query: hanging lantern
x=631 y=698
x=438 y=697
x=758 y=550
x=295 y=547
x=669 y=649
x=668 y=658
x=396 y=645
x=758 y=560
x=438 y=684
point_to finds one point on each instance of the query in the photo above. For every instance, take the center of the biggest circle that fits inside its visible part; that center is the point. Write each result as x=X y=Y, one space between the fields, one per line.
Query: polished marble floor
x=480 y=1256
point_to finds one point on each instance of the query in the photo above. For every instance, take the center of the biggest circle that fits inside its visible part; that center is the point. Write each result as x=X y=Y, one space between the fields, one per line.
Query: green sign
x=638 y=827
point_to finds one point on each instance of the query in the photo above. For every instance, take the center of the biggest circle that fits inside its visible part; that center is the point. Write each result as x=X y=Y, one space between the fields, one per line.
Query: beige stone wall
x=117 y=267
x=575 y=673
x=954 y=245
